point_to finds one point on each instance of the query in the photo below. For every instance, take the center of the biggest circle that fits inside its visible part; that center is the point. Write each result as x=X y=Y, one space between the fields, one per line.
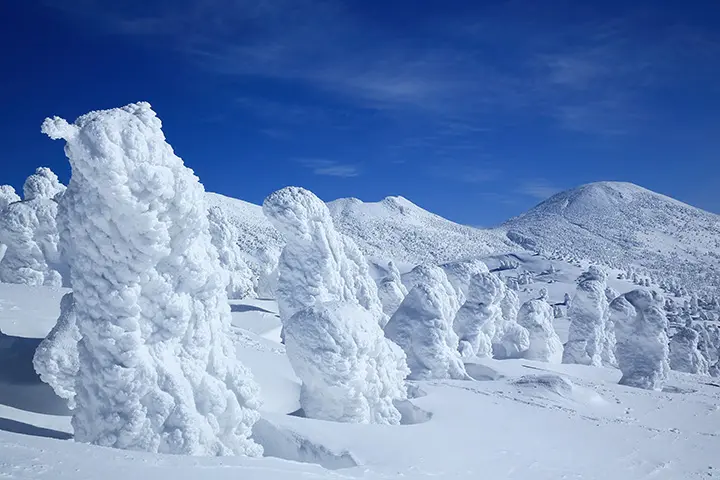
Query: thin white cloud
x=538 y=188
x=329 y=168
x=518 y=59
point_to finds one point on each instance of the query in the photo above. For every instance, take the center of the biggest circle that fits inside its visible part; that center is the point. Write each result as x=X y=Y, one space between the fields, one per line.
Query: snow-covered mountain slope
x=622 y=224
x=394 y=228
x=397 y=228
x=518 y=420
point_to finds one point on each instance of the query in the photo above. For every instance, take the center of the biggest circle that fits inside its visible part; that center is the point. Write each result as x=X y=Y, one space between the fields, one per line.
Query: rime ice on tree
x=28 y=230
x=317 y=264
x=157 y=370
x=588 y=315
x=642 y=342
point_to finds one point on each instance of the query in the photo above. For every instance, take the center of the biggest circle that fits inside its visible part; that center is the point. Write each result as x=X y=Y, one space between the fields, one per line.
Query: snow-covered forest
x=339 y=339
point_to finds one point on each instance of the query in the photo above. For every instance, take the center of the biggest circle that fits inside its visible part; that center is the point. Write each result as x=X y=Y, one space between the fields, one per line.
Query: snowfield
x=208 y=337
x=518 y=419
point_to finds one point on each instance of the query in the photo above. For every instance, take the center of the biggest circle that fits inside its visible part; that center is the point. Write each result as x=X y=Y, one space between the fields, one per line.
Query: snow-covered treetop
x=295 y=211
x=485 y=288
x=7 y=196
x=42 y=184
x=593 y=273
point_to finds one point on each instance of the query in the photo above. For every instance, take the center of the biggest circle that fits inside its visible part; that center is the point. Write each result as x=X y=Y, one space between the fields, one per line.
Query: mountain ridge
x=618 y=224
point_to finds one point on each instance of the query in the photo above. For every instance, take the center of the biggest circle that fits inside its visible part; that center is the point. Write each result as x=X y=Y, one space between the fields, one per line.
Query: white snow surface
x=7 y=196
x=157 y=368
x=531 y=414
x=349 y=371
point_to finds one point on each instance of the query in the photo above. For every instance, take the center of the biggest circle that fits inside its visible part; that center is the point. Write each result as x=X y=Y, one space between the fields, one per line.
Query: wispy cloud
x=329 y=168
x=538 y=188
x=517 y=59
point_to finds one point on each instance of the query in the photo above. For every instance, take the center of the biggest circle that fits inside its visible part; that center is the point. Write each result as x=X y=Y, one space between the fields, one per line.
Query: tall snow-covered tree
x=642 y=341
x=511 y=339
x=545 y=345
x=588 y=315
x=7 y=196
x=157 y=370
x=349 y=371
x=481 y=307
x=423 y=327
x=28 y=229
x=391 y=290
x=460 y=275
x=685 y=355
x=224 y=235
x=317 y=264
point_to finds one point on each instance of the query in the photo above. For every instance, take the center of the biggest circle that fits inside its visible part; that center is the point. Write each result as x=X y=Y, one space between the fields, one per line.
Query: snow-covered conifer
x=422 y=327
x=685 y=355
x=28 y=229
x=42 y=184
x=545 y=345
x=7 y=196
x=391 y=290
x=157 y=368
x=480 y=310
x=224 y=235
x=642 y=342
x=434 y=275
x=56 y=358
x=317 y=264
x=349 y=371
x=588 y=314
x=511 y=339
x=460 y=275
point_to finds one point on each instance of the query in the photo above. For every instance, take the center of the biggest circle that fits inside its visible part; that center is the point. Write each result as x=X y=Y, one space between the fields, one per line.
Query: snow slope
x=622 y=224
x=397 y=228
x=518 y=420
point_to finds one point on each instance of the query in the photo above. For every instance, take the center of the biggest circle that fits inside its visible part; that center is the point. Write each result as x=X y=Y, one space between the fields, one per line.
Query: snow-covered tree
x=317 y=264
x=42 y=184
x=56 y=358
x=460 y=275
x=685 y=355
x=28 y=229
x=391 y=290
x=240 y=281
x=422 y=327
x=349 y=371
x=642 y=342
x=588 y=314
x=480 y=310
x=511 y=339
x=7 y=196
x=545 y=345
x=157 y=370
x=434 y=275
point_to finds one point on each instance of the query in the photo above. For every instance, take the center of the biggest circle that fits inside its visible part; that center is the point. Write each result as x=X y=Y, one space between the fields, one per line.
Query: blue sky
x=474 y=110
